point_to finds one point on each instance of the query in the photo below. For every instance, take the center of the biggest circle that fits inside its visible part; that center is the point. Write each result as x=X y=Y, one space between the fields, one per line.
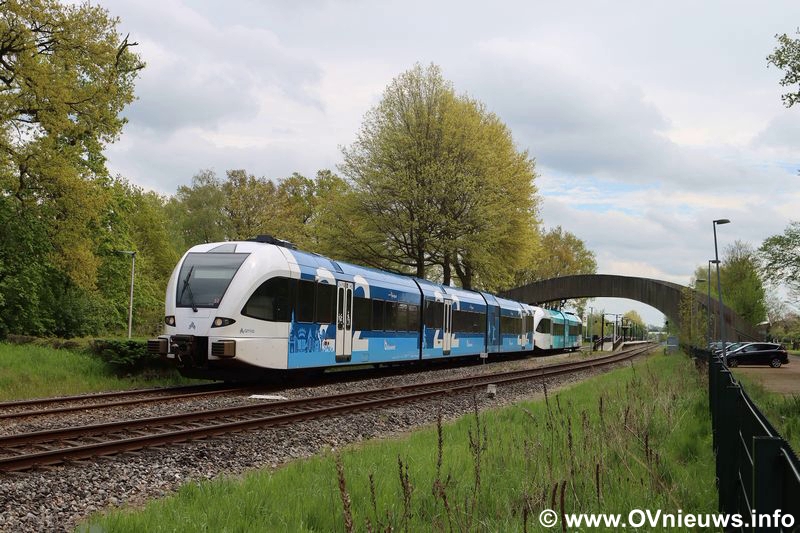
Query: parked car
x=729 y=347
x=758 y=353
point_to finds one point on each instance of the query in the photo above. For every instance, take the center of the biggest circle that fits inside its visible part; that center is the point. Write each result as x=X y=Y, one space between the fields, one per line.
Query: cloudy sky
x=647 y=119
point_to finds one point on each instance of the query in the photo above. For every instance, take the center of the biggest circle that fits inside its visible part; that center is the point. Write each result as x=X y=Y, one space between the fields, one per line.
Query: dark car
x=758 y=353
x=729 y=347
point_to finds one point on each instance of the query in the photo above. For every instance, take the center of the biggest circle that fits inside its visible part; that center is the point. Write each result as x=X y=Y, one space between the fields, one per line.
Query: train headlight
x=169 y=320
x=220 y=322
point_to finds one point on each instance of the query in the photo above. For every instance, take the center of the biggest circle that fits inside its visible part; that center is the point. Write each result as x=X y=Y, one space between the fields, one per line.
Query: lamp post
x=719 y=287
x=589 y=330
x=694 y=297
x=133 y=269
x=708 y=305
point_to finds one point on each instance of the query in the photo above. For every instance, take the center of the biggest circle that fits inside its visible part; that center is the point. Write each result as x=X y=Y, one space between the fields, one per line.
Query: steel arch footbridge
x=663 y=295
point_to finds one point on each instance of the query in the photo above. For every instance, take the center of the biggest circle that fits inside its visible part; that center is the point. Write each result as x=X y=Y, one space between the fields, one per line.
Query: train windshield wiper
x=187 y=286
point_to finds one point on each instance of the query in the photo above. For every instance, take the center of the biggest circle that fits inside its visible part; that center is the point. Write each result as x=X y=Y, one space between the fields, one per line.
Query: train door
x=344 y=321
x=447 y=327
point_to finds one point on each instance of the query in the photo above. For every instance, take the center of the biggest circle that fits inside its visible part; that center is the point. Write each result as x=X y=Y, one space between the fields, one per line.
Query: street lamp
x=719 y=287
x=133 y=269
x=694 y=297
x=708 y=303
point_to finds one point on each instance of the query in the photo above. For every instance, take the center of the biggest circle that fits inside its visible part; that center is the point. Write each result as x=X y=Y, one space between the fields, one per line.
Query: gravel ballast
x=57 y=498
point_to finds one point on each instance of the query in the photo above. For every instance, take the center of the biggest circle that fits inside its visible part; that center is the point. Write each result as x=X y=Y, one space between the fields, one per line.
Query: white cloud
x=647 y=120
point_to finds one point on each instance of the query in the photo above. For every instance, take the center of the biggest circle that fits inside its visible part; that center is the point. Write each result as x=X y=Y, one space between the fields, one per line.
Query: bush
x=126 y=356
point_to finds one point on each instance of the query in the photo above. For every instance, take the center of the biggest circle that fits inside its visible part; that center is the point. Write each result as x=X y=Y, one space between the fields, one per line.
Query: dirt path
x=783 y=380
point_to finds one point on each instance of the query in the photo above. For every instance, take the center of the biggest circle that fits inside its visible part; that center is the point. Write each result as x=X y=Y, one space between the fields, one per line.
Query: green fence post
x=728 y=444
x=767 y=478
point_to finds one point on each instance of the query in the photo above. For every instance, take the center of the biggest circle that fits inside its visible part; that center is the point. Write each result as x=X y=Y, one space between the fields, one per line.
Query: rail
x=26 y=450
x=757 y=470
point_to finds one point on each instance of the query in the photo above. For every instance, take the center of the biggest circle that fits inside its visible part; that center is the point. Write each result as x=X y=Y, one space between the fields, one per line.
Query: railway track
x=104 y=400
x=27 y=450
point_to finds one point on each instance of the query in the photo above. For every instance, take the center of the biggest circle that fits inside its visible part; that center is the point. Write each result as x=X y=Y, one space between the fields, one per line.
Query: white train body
x=235 y=308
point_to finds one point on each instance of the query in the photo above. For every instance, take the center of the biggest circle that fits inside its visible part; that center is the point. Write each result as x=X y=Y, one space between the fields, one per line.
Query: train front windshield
x=204 y=278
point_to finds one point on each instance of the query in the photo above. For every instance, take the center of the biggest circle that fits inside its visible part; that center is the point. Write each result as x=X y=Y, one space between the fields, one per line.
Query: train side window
x=402 y=317
x=326 y=301
x=543 y=326
x=304 y=306
x=428 y=318
x=362 y=314
x=458 y=320
x=270 y=301
x=377 y=314
x=413 y=317
x=434 y=314
x=462 y=321
x=390 y=323
x=511 y=325
x=480 y=323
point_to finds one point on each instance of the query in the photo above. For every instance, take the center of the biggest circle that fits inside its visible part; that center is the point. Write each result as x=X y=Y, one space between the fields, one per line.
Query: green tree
x=495 y=203
x=787 y=58
x=635 y=324
x=559 y=253
x=197 y=211
x=434 y=178
x=65 y=77
x=786 y=329
x=136 y=220
x=594 y=322
x=780 y=258
x=743 y=288
x=693 y=318
x=742 y=285
x=309 y=209
x=250 y=206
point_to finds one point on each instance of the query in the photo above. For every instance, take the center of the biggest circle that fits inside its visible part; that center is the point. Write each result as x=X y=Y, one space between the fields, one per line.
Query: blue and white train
x=236 y=308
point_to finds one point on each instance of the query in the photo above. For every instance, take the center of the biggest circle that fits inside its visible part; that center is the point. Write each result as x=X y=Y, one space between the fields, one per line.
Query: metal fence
x=757 y=470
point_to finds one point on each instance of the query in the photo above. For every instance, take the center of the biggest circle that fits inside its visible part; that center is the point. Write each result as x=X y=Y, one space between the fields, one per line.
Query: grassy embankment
x=30 y=371
x=636 y=438
x=782 y=410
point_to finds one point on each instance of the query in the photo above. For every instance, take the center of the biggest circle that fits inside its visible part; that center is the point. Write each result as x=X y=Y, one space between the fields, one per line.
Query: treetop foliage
x=742 y=283
x=781 y=257
x=787 y=58
x=65 y=76
x=435 y=177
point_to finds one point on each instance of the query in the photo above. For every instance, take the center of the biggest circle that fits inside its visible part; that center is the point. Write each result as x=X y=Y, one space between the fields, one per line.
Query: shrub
x=127 y=356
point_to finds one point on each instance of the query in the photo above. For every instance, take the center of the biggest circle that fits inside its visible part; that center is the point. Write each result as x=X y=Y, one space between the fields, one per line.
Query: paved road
x=785 y=380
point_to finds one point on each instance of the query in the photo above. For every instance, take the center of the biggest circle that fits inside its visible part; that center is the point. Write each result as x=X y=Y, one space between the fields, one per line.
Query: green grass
x=782 y=411
x=636 y=438
x=30 y=371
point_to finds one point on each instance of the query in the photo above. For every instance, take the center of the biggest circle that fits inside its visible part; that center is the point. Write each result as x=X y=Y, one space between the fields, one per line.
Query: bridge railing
x=757 y=470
